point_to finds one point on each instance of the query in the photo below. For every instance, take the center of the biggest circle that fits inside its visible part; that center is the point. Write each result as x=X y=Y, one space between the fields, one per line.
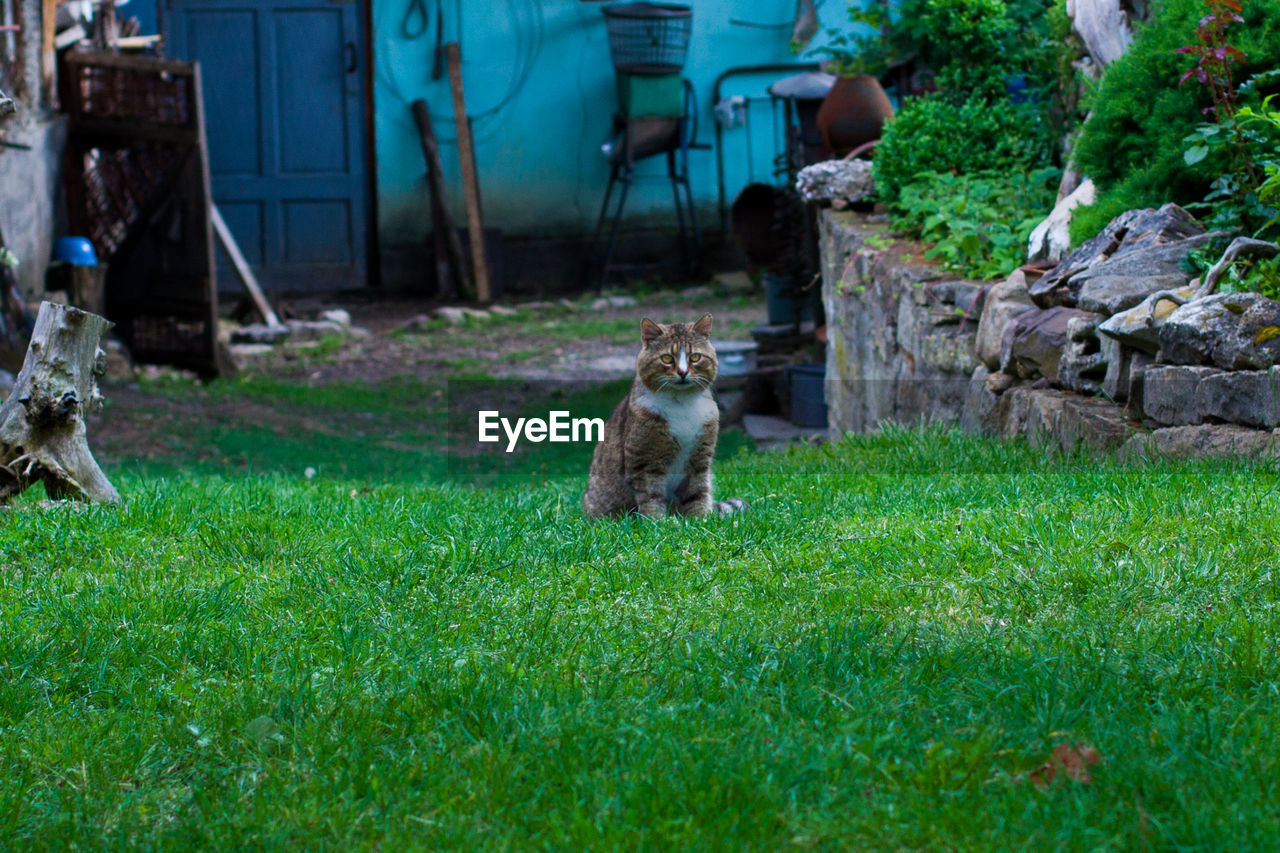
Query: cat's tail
x=731 y=506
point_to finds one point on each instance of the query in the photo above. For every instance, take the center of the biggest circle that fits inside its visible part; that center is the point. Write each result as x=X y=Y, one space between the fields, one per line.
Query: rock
x=418 y=323
x=1249 y=397
x=1139 y=327
x=979 y=405
x=337 y=315
x=605 y=302
x=1169 y=394
x=998 y=383
x=1257 y=341
x=301 y=331
x=1083 y=366
x=119 y=363
x=700 y=291
x=1092 y=425
x=1012 y=412
x=1120 y=290
x=503 y=311
x=1043 y=413
x=476 y=313
x=1002 y=305
x=734 y=282
x=1123 y=363
x=1205 y=331
x=1139 y=252
x=452 y=316
x=1052 y=238
x=260 y=333
x=1103 y=26
x=1199 y=442
x=245 y=354
x=1033 y=343
x=837 y=181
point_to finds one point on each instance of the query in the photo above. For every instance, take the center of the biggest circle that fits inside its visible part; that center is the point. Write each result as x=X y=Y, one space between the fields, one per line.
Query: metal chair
x=638 y=138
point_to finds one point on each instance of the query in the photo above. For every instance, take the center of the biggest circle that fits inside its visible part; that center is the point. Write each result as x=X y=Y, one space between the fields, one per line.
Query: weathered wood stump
x=42 y=424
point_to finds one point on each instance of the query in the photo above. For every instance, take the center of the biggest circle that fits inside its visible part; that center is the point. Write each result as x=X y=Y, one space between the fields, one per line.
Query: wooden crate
x=138 y=188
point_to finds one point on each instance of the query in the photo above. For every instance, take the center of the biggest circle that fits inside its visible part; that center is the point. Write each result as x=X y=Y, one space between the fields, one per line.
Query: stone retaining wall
x=909 y=344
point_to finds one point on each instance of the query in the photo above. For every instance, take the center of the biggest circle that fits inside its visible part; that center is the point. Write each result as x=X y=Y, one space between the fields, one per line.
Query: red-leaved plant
x=1215 y=57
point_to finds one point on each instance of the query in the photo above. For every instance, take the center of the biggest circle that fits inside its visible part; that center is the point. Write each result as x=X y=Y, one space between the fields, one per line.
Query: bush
x=1133 y=144
x=932 y=134
x=979 y=223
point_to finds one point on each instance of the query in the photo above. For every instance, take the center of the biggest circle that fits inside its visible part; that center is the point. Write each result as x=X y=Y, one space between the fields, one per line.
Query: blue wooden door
x=284 y=114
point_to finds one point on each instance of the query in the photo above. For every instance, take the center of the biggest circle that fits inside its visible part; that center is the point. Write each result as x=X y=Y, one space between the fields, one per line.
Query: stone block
x=1139 y=327
x=979 y=405
x=1204 y=331
x=1203 y=441
x=1044 y=413
x=1248 y=397
x=1003 y=304
x=1012 y=411
x=1092 y=425
x=1169 y=394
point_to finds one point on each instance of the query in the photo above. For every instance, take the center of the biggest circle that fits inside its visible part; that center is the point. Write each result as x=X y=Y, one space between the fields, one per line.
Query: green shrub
x=1133 y=144
x=932 y=134
x=980 y=222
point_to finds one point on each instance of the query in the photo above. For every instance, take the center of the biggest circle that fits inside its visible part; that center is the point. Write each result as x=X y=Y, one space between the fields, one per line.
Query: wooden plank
x=219 y=360
x=132 y=63
x=470 y=180
x=448 y=245
x=241 y=266
x=127 y=130
x=48 y=56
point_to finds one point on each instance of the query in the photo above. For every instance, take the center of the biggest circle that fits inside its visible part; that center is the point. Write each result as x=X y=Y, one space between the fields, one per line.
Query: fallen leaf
x=1070 y=760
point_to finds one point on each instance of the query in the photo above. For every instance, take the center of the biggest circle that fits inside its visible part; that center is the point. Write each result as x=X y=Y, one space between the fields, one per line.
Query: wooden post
x=42 y=424
x=447 y=243
x=48 y=56
x=470 y=181
x=241 y=266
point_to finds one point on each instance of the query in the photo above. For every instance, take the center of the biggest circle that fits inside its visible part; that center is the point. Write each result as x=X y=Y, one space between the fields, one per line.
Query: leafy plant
x=1133 y=145
x=1215 y=57
x=979 y=223
x=868 y=49
x=933 y=134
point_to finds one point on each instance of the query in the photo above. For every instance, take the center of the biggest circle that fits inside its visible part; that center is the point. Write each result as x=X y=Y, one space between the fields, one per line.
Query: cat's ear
x=649 y=330
x=703 y=325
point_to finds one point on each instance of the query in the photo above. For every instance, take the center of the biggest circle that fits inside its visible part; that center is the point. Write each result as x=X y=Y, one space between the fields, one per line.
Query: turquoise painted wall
x=540 y=85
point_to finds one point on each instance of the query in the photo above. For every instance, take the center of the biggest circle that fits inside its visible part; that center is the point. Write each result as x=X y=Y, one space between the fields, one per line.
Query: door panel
x=284 y=100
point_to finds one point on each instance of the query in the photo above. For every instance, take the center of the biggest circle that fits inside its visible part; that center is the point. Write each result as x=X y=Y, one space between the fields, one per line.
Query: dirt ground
x=156 y=413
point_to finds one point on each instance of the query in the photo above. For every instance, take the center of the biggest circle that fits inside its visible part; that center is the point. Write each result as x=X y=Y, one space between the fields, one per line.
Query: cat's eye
x=696 y=357
x=666 y=359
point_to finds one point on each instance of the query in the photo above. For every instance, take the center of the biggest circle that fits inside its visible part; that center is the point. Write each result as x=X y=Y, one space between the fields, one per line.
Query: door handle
x=349 y=50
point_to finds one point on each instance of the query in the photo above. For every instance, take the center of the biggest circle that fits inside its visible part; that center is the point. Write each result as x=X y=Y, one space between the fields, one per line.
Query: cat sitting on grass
x=658 y=444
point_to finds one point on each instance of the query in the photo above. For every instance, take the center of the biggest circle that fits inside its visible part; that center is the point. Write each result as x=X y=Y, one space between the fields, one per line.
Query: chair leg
x=625 y=178
x=676 y=181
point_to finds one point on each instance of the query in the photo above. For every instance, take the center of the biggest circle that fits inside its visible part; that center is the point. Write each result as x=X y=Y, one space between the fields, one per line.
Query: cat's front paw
x=731 y=506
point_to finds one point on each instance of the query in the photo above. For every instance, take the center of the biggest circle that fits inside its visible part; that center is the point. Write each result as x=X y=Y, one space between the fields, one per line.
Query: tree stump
x=42 y=426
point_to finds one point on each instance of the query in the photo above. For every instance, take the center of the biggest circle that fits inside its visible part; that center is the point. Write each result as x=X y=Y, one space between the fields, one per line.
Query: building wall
x=30 y=180
x=540 y=86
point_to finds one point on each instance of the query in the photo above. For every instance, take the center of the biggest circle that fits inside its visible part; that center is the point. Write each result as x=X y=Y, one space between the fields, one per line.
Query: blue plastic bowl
x=77 y=251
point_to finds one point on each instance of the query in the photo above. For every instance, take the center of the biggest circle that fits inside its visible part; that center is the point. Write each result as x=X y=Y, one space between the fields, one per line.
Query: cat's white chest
x=686 y=418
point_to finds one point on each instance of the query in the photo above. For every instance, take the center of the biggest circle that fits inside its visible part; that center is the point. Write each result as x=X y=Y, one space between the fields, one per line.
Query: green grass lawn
x=901 y=629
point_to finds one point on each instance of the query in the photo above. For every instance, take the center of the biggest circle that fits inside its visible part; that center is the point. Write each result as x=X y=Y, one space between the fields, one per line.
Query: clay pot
x=853 y=113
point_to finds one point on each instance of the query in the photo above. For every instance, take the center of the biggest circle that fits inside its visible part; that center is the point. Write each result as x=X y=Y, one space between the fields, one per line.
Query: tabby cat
x=658 y=444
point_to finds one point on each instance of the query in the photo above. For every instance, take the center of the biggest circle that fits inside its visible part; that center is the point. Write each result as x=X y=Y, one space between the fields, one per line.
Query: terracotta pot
x=853 y=113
